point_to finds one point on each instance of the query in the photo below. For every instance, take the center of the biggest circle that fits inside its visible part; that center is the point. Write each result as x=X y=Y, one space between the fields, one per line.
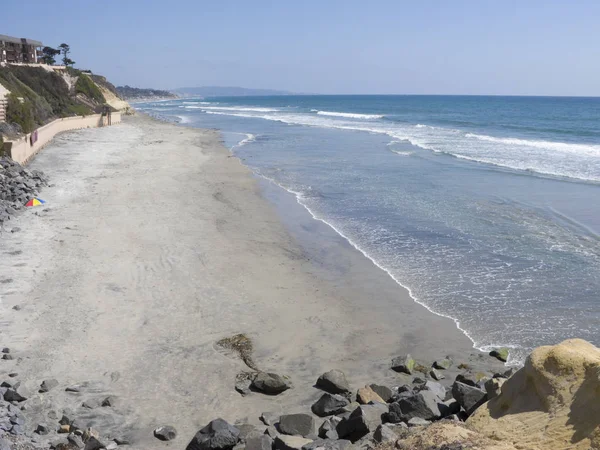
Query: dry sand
x=154 y=244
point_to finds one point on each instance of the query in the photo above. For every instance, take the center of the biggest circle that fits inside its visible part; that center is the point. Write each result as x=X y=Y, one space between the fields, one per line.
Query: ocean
x=486 y=208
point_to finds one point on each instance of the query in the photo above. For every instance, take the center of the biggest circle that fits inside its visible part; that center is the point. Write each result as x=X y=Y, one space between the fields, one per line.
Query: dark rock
x=7 y=384
x=7 y=357
x=109 y=401
x=272 y=432
x=297 y=424
x=436 y=388
x=333 y=382
x=283 y=442
x=6 y=350
x=423 y=405
x=14 y=395
x=327 y=430
x=442 y=364
x=467 y=379
x=48 y=384
x=75 y=441
x=449 y=407
x=217 y=435
x=329 y=404
x=91 y=403
x=94 y=443
x=13 y=374
x=493 y=387
x=271 y=383
x=383 y=391
x=17 y=420
x=42 y=428
x=17 y=430
x=404 y=364
x=418 y=380
x=500 y=353
x=165 y=433
x=246 y=430
x=17 y=307
x=259 y=442
x=269 y=418
x=363 y=420
x=65 y=420
x=327 y=444
x=436 y=374
x=469 y=397
x=394 y=414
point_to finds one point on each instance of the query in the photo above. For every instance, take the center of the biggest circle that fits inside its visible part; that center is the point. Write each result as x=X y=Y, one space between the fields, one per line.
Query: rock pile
x=18 y=185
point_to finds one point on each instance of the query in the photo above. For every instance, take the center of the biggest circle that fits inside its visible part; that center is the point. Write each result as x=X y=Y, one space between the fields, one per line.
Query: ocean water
x=486 y=208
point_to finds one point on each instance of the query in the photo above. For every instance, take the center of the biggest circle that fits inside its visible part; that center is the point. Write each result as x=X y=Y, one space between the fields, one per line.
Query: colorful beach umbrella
x=35 y=202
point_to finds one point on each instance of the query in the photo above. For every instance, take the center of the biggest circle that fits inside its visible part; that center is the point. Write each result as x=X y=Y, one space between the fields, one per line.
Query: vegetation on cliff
x=131 y=93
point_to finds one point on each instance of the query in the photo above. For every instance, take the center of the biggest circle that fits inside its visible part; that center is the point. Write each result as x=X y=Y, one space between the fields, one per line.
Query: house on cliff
x=19 y=50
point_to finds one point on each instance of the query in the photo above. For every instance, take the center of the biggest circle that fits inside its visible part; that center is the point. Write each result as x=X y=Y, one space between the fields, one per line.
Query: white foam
x=233 y=108
x=249 y=138
x=348 y=115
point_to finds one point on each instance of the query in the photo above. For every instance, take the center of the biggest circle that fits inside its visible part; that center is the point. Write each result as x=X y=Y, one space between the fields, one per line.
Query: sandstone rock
x=469 y=397
x=404 y=364
x=259 y=442
x=442 y=364
x=552 y=402
x=271 y=383
x=283 y=442
x=333 y=382
x=448 y=436
x=47 y=385
x=297 y=424
x=165 y=433
x=500 y=353
x=329 y=404
x=367 y=395
x=383 y=391
x=217 y=435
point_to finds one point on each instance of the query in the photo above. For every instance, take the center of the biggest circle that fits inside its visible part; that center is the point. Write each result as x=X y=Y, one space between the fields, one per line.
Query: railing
x=3 y=104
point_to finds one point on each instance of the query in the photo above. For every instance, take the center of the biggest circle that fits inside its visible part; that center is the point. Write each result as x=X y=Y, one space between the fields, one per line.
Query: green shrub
x=86 y=86
x=20 y=113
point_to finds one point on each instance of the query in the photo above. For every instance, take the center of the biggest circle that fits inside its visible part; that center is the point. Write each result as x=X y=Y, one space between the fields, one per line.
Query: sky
x=476 y=47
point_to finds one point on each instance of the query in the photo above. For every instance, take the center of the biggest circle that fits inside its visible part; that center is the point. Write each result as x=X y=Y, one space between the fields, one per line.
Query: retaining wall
x=23 y=149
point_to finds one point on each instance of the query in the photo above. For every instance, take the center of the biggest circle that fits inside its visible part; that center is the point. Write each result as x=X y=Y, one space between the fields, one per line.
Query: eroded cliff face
x=553 y=402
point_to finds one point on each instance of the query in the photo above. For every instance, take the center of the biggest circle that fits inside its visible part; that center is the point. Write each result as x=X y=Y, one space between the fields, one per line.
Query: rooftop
x=16 y=40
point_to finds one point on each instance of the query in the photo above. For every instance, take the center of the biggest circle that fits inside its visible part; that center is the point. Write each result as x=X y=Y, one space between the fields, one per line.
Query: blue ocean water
x=486 y=208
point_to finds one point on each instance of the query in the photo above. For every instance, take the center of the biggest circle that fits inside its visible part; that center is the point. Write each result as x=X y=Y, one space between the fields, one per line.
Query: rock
x=333 y=382
x=383 y=391
x=442 y=364
x=47 y=385
x=436 y=374
x=94 y=443
x=383 y=433
x=467 y=379
x=329 y=404
x=15 y=374
x=418 y=422
x=13 y=395
x=5 y=444
x=327 y=430
x=363 y=420
x=552 y=402
x=493 y=386
x=91 y=403
x=418 y=380
x=165 y=433
x=75 y=441
x=367 y=395
x=349 y=408
x=259 y=442
x=109 y=401
x=112 y=446
x=65 y=420
x=243 y=387
x=272 y=432
x=436 y=388
x=269 y=418
x=500 y=353
x=297 y=424
x=404 y=364
x=423 y=405
x=17 y=430
x=6 y=350
x=90 y=433
x=217 y=435
x=271 y=383
x=64 y=429
x=7 y=357
x=327 y=444
x=469 y=397
x=246 y=430
x=283 y=442
x=449 y=407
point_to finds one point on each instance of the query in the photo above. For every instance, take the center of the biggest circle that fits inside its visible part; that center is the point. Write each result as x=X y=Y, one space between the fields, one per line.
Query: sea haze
x=486 y=208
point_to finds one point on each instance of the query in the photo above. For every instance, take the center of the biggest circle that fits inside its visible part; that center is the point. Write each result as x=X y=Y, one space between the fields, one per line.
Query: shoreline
x=154 y=244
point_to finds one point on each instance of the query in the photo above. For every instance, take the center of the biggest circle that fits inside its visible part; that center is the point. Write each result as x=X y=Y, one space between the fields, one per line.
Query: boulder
x=367 y=395
x=165 y=433
x=466 y=378
x=94 y=443
x=423 y=405
x=269 y=418
x=246 y=429
x=297 y=424
x=271 y=383
x=552 y=402
x=383 y=433
x=283 y=442
x=383 y=391
x=362 y=421
x=47 y=385
x=333 y=382
x=436 y=374
x=404 y=364
x=217 y=435
x=327 y=444
x=500 y=353
x=329 y=404
x=493 y=386
x=259 y=442
x=436 y=388
x=469 y=397
x=327 y=430
x=272 y=431
x=442 y=364
x=418 y=422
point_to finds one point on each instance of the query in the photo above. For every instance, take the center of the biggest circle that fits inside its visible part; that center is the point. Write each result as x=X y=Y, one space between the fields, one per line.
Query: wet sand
x=154 y=244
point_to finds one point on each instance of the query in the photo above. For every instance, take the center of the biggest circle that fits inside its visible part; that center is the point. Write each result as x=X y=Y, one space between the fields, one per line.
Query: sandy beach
x=154 y=244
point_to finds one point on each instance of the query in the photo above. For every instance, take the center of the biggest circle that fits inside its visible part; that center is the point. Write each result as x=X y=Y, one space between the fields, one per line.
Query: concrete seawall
x=22 y=149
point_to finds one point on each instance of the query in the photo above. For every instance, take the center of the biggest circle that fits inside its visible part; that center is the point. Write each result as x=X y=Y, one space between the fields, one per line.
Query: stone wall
x=22 y=150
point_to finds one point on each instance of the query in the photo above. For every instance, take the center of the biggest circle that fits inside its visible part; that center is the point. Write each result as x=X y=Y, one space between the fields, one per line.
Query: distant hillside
x=131 y=93
x=223 y=91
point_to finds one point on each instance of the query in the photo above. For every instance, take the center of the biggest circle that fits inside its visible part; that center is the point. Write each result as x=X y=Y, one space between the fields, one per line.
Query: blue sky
x=525 y=47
